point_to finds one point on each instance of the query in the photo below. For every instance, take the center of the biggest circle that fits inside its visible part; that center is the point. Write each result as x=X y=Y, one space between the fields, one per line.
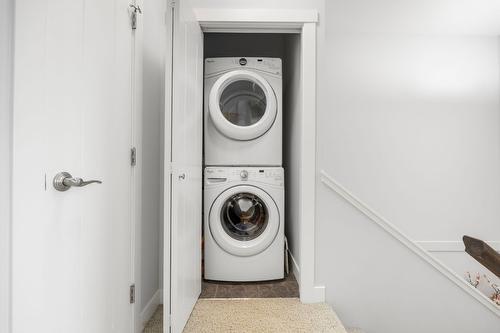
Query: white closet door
x=186 y=164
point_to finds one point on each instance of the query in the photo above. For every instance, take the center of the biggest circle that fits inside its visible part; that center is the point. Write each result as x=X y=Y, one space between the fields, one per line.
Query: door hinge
x=133 y=156
x=132 y=294
x=133 y=16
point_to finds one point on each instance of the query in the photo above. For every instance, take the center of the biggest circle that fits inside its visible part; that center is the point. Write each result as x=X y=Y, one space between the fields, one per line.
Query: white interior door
x=186 y=165
x=72 y=112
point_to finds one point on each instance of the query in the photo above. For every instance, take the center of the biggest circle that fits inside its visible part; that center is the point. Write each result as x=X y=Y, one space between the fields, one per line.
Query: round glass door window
x=242 y=105
x=244 y=216
x=243 y=102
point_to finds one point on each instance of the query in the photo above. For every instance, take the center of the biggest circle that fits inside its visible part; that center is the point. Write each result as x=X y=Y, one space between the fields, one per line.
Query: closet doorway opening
x=260 y=68
x=290 y=36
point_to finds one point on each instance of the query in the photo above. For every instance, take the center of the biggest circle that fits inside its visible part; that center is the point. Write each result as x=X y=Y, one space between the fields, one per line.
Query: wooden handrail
x=483 y=253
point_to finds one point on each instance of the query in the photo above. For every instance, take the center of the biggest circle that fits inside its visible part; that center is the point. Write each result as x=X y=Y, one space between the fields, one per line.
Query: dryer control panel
x=219 y=65
x=266 y=175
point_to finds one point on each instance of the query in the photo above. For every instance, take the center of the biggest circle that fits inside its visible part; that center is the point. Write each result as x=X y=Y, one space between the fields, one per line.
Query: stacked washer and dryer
x=243 y=179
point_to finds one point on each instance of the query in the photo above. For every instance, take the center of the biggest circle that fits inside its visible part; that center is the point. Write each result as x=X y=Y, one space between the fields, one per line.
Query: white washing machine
x=244 y=223
x=243 y=111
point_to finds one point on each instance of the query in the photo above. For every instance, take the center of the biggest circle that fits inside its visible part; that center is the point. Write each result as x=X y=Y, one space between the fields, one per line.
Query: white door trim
x=136 y=182
x=309 y=291
x=6 y=108
x=288 y=21
x=167 y=166
x=254 y=20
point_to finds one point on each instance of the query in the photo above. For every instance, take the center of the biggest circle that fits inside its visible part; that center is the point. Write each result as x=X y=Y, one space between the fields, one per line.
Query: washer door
x=242 y=105
x=244 y=220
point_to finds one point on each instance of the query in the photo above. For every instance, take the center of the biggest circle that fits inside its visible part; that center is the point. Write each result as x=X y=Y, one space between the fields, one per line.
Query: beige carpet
x=155 y=324
x=255 y=315
x=262 y=315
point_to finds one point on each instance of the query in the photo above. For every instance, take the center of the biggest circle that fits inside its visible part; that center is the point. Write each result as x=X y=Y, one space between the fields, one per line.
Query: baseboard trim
x=150 y=307
x=451 y=246
x=397 y=234
x=295 y=267
x=312 y=294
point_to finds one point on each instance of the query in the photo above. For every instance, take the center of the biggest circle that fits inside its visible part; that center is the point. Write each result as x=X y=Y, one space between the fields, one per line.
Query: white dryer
x=243 y=223
x=243 y=112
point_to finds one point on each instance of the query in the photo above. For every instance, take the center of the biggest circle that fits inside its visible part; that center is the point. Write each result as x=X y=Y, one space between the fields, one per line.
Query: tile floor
x=286 y=287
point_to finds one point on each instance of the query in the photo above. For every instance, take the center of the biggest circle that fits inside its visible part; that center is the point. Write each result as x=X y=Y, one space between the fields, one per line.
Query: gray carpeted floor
x=256 y=315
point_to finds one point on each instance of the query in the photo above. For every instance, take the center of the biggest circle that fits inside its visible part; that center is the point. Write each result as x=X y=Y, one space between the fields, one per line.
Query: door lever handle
x=78 y=182
x=63 y=181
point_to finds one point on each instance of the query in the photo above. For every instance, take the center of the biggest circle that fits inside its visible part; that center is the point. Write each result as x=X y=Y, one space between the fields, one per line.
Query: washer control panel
x=267 y=175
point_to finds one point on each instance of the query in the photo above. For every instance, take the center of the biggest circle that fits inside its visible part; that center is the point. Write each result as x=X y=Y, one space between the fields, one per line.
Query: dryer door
x=244 y=220
x=242 y=105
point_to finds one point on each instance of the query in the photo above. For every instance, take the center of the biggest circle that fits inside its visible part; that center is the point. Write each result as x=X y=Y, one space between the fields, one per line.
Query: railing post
x=483 y=253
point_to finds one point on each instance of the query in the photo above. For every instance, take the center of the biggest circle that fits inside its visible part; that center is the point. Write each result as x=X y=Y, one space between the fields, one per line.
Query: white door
x=186 y=166
x=73 y=113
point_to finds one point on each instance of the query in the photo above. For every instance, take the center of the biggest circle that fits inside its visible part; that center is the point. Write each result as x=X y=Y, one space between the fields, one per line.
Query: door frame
x=136 y=181
x=303 y=22
x=167 y=165
x=6 y=126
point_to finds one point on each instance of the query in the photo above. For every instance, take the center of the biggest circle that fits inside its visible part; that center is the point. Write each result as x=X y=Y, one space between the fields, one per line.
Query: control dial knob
x=244 y=174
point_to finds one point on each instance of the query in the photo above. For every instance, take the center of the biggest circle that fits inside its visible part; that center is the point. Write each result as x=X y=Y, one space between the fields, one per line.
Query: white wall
x=409 y=121
x=6 y=65
x=152 y=170
x=292 y=134
x=259 y=4
x=413 y=128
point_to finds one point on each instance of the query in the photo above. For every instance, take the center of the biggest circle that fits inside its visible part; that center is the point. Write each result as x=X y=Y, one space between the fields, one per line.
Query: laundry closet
x=239 y=214
x=251 y=162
